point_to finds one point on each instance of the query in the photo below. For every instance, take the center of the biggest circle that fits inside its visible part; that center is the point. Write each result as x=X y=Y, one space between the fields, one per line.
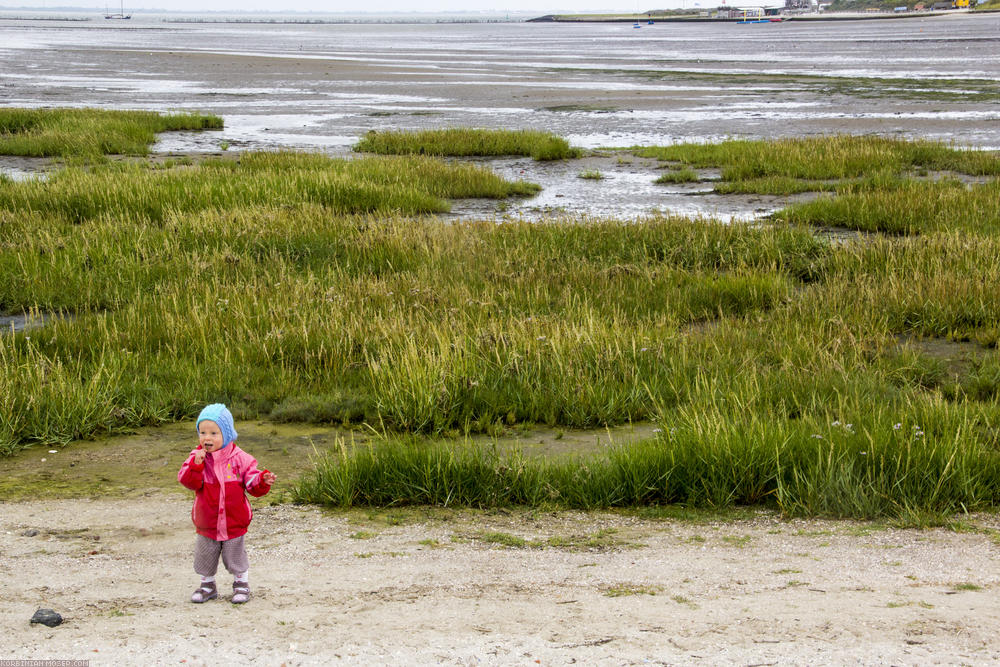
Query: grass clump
x=627 y=589
x=875 y=184
x=591 y=175
x=464 y=142
x=684 y=175
x=905 y=207
x=404 y=185
x=824 y=158
x=90 y=133
x=868 y=471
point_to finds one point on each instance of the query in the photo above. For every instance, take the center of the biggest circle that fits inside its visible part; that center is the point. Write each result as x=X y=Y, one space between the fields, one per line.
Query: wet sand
x=599 y=85
x=322 y=87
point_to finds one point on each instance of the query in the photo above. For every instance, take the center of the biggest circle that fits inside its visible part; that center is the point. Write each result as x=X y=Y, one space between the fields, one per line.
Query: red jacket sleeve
x=190 y=474
x=253 y=480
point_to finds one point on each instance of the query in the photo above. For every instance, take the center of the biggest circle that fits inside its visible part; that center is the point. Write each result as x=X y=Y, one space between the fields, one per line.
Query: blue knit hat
x=220 y=414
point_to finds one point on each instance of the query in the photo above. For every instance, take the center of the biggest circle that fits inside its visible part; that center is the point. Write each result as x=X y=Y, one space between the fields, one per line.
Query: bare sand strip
x=440 y=588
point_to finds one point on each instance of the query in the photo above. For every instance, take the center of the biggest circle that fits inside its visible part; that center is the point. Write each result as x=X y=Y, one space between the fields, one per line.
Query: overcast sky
x=534 y=7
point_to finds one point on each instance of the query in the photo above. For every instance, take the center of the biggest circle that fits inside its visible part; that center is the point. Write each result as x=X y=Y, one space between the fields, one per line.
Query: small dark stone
x=31 y=532
x=47 y=617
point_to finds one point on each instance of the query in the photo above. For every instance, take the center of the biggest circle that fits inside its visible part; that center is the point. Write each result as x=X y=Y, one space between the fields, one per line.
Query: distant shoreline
x=833 y=16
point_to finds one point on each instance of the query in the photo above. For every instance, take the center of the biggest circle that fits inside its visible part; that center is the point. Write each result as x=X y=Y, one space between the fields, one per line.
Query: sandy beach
x=456 y=587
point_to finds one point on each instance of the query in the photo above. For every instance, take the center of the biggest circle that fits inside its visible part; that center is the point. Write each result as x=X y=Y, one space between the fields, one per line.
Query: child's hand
x=199 y=455
x=268 y=477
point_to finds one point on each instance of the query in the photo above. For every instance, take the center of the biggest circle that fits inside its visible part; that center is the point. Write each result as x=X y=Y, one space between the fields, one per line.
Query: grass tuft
x=90 y=133
x=464 y=142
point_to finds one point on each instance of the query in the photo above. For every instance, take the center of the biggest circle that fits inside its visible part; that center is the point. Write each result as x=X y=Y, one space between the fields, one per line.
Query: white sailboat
x=120 y=15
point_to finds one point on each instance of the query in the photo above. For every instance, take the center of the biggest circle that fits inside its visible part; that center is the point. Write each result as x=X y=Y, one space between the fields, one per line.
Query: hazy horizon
x=402 y=7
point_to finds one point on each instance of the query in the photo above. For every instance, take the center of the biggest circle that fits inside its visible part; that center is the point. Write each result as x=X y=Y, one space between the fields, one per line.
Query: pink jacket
x=221 y=510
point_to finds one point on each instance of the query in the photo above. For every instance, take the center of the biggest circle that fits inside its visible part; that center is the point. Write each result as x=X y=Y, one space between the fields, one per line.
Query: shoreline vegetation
x=856 y=378
x=88 y=133
x=705 y=17
x=468 y=142
x=851 y=10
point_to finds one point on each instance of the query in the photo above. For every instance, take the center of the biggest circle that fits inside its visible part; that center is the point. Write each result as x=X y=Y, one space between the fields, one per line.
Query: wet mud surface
x=626 y=190
x=322 y=87
x=108 y=467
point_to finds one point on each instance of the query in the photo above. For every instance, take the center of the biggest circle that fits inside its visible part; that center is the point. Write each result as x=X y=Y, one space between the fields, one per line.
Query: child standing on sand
x=221 y=474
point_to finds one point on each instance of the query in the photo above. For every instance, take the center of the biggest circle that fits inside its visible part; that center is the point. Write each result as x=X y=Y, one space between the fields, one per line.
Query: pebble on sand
x=47 y=617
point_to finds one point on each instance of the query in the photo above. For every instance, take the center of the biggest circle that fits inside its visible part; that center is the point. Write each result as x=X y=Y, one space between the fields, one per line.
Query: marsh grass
x=837 y=157
x=401 y=185
x=464 y=142
x=414 y=325
x=905 y=207
x=683 y=175
x=771 y=359
x=788 y=405
x=870 y=180
x=874 y=471
x=89 y=133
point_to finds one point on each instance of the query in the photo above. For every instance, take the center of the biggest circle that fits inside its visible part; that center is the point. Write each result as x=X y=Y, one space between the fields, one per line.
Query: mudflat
x=322 y=87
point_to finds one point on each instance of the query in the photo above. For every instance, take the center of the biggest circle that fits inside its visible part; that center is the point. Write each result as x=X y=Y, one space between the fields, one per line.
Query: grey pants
x=206 y=556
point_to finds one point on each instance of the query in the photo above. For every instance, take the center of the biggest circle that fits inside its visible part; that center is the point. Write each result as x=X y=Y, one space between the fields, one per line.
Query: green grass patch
x=402 y=185
x=885 y=472
x=836 y=157
x=503 y=539
x=774 y=185
x=90 y=133
x=905 y=207
x=591 y=175
x=627 y=590
x=967 y=586
x=439 y=325
x=464 y=142
x=875 y=184
x=683 y=175
x=784 y=371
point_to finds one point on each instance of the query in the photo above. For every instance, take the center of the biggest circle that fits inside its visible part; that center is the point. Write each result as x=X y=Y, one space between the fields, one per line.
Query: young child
x=220 y=474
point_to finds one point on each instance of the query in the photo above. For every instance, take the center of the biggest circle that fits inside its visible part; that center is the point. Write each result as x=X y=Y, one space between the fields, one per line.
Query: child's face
x=210 y=436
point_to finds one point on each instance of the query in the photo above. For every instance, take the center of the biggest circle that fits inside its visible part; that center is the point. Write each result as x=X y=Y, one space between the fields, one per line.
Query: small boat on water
x=120 y=15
